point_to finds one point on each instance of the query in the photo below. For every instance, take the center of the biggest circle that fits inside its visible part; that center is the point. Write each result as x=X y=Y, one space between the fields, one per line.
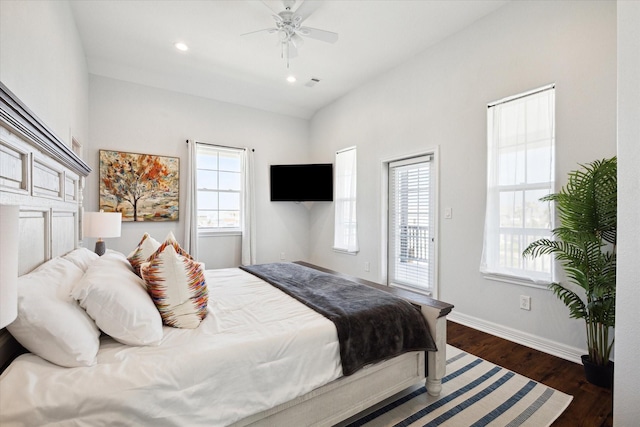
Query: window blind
x=411 y=224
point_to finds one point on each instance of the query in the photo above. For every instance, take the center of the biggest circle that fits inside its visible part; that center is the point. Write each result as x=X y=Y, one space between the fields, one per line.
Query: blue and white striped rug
x=474 y=393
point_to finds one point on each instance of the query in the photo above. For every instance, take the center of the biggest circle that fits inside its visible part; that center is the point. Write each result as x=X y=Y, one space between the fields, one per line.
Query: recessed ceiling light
x=181 y=46
x=291 y=79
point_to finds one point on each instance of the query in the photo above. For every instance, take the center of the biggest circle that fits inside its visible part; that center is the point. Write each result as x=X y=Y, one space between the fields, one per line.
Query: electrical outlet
x=525 y=302
x=282 y=256
x=367 y=266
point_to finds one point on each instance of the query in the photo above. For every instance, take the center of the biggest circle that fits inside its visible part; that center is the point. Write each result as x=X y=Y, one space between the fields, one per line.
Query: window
x=346 y=226
x=411 y=224
x=219 y=182
x=521 y=152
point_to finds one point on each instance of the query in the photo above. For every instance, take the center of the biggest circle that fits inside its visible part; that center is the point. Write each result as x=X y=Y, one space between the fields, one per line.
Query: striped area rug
x=474 y=393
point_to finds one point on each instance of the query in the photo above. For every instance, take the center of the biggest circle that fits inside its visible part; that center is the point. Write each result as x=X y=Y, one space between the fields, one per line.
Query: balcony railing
x=414 y=243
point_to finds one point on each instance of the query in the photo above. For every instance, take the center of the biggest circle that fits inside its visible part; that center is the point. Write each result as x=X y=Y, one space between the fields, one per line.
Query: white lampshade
x=101 y=225
x=9 y=247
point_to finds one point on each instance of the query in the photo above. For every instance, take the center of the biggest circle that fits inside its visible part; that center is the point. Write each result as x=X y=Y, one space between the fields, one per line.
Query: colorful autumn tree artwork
x=143 y=187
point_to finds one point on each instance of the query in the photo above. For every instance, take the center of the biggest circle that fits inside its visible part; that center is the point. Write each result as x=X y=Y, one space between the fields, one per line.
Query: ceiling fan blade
x=306 y=9
x=275 y=12
x=315 y=33
x=267 y=30
x=297 y=40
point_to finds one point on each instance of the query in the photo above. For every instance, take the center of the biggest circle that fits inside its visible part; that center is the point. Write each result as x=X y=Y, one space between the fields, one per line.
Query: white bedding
x=256 y=348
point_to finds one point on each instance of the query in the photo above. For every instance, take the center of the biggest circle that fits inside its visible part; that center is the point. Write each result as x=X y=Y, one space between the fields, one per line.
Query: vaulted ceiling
x=134 y=41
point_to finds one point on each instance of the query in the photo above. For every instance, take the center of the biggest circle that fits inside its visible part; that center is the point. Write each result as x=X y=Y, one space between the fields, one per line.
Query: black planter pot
x=599 y=375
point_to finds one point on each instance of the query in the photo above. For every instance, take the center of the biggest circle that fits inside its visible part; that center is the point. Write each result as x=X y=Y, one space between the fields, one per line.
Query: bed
x=199 y=376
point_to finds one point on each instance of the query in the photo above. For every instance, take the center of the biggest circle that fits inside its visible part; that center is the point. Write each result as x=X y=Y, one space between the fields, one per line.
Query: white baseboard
x=554 y=348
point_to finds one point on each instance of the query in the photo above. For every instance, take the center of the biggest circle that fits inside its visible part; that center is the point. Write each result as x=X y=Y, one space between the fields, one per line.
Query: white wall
x=134 y=118
x=43 y=63
x=440 y=99
x=626 y=411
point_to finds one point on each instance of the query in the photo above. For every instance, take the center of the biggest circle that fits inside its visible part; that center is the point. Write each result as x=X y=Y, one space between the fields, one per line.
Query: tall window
x=521 y=153
x=346 y=226
x=219 y=188
x=411 y=224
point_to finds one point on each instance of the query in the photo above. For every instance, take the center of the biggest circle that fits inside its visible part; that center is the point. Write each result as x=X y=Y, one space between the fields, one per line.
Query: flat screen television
x=302 y=183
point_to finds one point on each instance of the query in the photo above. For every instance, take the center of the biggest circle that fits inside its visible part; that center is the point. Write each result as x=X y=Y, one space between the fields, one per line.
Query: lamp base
x=101 y=247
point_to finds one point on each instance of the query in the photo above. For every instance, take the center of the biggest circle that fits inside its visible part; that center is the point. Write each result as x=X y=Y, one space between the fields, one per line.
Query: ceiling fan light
x=297 y=40
x=291 y=79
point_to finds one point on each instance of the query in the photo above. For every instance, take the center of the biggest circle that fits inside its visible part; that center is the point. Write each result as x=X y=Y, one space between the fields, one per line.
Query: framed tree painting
x=143 y=187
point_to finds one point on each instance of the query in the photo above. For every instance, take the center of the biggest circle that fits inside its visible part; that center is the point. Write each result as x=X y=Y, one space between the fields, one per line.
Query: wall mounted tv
x=302 y=183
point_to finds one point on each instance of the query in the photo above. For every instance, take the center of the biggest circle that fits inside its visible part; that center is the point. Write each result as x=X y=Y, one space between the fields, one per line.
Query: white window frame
x=387 y=248
x=345 y=238
x=221 y=231
x=493 y=264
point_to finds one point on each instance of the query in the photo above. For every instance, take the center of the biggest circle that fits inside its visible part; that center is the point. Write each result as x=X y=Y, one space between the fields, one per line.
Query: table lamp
x=101 y=225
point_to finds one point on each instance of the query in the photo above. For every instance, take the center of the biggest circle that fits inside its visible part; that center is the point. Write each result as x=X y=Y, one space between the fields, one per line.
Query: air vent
x=312 y=82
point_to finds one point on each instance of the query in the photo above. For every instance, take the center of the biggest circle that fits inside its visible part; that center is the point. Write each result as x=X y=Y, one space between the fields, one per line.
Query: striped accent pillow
x=147 y=246
x=177 y=285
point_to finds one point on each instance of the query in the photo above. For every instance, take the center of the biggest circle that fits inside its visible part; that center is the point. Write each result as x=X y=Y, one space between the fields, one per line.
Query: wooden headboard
x=45 y=178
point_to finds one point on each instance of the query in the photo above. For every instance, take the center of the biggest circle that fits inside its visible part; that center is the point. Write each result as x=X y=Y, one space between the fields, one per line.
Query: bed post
x=436 y=360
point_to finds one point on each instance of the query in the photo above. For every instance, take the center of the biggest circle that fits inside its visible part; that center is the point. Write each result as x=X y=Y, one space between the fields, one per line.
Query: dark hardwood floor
x=591 y=406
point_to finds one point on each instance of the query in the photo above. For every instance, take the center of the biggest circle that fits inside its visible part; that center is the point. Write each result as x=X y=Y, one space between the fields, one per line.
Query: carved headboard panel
x=39 y=173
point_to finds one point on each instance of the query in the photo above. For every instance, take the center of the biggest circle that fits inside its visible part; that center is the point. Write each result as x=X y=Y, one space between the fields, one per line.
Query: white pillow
x=118 y=301
x=82 y=257
x=177 y=285
x=117 y=254
x=50 y=323
x=110 y=253
x=147 y=246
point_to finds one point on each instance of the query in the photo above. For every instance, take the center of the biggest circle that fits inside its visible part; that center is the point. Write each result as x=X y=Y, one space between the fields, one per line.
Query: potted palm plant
x=585 y=246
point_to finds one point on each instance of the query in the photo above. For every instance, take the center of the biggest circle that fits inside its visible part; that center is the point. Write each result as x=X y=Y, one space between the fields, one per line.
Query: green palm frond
x=577 y=307
x=585 y=246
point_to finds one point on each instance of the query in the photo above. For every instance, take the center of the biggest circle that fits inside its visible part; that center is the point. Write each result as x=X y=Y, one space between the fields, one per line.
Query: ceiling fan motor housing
x=287 y=25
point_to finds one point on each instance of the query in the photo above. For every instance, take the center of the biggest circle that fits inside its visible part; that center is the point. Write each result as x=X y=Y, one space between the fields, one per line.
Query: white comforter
x=257 y=348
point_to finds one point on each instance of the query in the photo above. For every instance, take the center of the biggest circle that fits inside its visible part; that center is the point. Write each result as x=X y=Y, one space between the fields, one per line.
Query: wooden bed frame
x=45 y=178
x=39 y=173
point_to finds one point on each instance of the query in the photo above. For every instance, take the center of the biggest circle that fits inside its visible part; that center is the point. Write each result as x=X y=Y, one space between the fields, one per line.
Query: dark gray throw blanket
x=372 y=325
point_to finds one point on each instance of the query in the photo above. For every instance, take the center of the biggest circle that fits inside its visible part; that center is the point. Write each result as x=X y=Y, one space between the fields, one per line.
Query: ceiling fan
x=290 y=30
